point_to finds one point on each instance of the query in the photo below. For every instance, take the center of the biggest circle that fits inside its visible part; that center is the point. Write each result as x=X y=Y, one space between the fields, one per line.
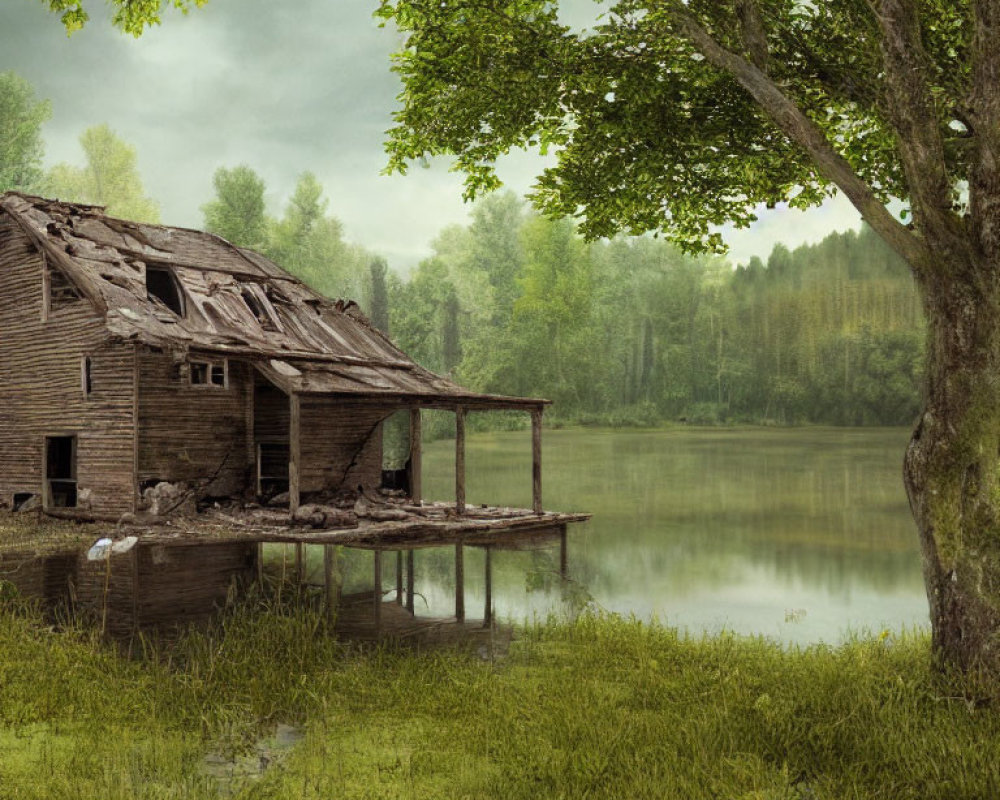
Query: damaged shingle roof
x=236 y=302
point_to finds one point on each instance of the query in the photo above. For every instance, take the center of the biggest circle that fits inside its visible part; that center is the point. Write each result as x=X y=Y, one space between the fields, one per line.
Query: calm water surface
x=799 y=534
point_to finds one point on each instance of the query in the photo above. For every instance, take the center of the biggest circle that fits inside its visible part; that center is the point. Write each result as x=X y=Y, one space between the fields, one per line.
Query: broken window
x=162 y=285
x=86 y=381
x=60 y=471
x=209 y=373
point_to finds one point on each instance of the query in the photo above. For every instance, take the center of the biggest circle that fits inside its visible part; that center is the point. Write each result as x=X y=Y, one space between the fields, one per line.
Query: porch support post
x=488 y=609
x=416 y=486
x=377 y=594
x=536 y=459
x=460 y=460
x=399 y=577
x=459 y=583
x=294 y=408
x=409 y=581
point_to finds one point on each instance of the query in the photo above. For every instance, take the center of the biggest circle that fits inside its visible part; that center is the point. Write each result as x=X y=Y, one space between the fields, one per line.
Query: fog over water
x=284 y=87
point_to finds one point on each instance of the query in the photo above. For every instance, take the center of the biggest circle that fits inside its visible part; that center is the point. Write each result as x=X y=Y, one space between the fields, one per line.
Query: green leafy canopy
x=130 y=16
x=648 y=134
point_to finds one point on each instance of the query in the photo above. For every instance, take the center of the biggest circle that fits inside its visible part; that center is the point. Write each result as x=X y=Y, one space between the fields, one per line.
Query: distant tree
x=309 y=243
x=237 y=212
x=451 y=337
x=110 y=177
x=21 y=118
x=378 y=304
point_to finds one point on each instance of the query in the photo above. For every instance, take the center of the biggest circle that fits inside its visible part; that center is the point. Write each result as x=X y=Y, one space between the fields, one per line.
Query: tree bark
x=952 y=470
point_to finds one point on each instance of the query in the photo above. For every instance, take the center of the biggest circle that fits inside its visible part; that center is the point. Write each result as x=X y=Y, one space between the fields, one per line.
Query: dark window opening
x=162 y=285
x=257 y=308
x=208 y=373
x=19 y=499
x=86 y=379
x=60 y=471
x=199 y=373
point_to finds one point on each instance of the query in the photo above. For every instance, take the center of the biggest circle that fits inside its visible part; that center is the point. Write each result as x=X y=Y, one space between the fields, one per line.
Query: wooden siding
x=341 y=444
x=194 y=434
x=40 y=385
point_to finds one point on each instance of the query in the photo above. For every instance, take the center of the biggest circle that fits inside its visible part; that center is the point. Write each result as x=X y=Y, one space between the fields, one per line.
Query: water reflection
x=799 y=534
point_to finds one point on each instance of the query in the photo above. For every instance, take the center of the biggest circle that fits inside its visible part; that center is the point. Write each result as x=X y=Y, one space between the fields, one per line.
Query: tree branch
x=984 y=183
x=802 y=130
x=913 y=114
x=752 y=32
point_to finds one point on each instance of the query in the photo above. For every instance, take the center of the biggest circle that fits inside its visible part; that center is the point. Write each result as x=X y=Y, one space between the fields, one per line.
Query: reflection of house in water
x=148 y=370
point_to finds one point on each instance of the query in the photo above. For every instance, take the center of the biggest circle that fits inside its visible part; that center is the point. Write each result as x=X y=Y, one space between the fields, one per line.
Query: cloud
x=283 y=87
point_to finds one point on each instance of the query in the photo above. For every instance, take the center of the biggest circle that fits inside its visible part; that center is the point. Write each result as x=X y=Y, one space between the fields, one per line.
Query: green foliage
x=130 y=16
x=21 y=118
x=237 y=213
x=648 y=135
x=110 y=178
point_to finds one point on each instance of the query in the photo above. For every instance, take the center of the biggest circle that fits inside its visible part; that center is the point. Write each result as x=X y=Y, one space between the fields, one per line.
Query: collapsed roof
x=182 y=290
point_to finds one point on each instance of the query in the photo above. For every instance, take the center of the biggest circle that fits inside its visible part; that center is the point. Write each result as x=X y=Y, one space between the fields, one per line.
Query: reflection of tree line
x=686 y=509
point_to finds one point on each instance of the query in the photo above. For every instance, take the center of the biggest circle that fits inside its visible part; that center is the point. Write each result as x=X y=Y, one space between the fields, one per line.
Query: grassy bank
x=601 y=707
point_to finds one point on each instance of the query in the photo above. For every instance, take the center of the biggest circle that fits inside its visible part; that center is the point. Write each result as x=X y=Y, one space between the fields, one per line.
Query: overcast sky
x=284 y=87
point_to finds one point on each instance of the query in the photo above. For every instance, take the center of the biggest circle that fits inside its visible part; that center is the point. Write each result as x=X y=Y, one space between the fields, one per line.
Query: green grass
x=601 y=707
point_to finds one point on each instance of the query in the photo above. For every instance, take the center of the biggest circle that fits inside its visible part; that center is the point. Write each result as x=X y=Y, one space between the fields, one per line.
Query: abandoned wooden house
x=137 y=356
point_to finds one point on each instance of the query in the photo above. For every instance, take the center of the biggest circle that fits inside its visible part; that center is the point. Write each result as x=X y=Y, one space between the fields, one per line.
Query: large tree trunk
x=952 y=469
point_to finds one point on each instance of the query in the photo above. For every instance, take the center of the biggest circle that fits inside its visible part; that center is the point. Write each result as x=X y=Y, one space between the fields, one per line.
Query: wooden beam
x=377 y=594
x=409 y=581
x=399 y=577
x=536 y=460
x=459 y=583
x=294 y=454
x=460 y=460
x=416 y=439
x=300 y=570
x=488 y=608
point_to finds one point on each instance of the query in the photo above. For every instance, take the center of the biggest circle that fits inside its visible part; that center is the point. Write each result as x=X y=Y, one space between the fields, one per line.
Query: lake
x=800 y=534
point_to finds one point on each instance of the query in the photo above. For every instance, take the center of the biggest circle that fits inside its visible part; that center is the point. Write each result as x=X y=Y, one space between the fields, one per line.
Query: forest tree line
x=621 y=332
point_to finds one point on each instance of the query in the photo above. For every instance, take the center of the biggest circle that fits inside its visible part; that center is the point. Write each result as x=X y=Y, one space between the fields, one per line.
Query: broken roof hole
x=257 y=309
x=162 y=285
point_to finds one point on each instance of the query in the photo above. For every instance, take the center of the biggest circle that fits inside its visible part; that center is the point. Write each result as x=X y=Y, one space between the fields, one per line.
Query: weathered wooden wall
x=194 y=434
x=341 y=444
x=40 y=385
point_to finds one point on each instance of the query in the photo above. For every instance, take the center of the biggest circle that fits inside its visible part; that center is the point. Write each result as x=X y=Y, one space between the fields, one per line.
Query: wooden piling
x=460 y=460
x=300 y=570
x=329 y=598
x=416 y=447
x=409 y=581
x=488 y=608
x=563 y=554
x=399 y=577
x=536 y=460
x=294 y=451
x=459 y=583
x=377 y=594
